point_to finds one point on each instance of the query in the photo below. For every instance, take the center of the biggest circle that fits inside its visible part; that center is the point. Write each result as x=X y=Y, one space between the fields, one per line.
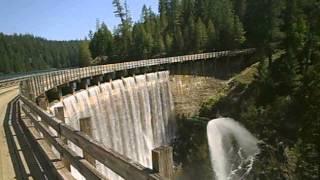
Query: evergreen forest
x=281 y=106
x=25 y=53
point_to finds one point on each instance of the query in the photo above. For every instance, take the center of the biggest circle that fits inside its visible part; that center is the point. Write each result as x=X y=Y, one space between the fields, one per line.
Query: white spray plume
x=232 y=148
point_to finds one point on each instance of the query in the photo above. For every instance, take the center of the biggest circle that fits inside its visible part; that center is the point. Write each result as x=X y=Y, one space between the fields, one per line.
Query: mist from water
x=232 y=149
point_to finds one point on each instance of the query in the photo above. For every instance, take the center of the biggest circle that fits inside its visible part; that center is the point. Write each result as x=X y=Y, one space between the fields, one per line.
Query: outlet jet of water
x=232 y=149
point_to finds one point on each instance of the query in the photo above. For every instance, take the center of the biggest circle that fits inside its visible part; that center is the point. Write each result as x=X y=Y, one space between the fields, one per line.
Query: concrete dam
x=132 y=116
x=113 y=121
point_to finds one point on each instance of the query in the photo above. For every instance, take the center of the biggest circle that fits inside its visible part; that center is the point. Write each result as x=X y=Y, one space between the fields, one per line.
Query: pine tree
x=263 y=23
x=5 y=66
x=296 y=34
x=163 y=13
x=202 y=10
x=212 y=36
x=145 y=14
x=238 y=32
x=158 y=45
x=123 y=33
x=187 y=11
x=168 y=43
x=178 y=43
x=189 y=34
x=201 y=37
x=143 y=42
x=119 y=10
x=222 y=13
x=174 y=15
x=101 y=43
x=21 y=53
x=84 y=54
x=240 y=8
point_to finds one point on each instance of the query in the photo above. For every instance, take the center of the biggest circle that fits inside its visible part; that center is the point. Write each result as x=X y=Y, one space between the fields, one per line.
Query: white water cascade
x=132 y=116
x=232 y=149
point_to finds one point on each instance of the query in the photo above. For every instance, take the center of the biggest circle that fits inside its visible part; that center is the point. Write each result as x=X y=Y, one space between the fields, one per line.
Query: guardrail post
x=87 y=83
x=73 y=87
x=86 y=127
x=162 y=161
x=51 y=80
x=65 y=76
x=100 y=79
x=47 y=86
x=43 y=102
x=59 y=113
x=36 y=86
x=30 y=88
x=60 y=94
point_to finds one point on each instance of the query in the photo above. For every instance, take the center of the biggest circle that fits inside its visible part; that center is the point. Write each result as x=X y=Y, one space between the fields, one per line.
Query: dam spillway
x=44 y=129
x=132 y=116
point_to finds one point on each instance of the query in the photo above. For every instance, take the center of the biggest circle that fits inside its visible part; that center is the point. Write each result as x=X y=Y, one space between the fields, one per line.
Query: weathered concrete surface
x=189 y=92
x=6 y=167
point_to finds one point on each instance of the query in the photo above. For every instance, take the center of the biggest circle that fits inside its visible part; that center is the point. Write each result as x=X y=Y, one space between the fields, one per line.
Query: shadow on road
x=23 y=159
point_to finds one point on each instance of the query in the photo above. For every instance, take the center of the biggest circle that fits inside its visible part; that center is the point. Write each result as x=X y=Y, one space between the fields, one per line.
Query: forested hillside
x=179 y=27
x=282 y=105
x=23 y=53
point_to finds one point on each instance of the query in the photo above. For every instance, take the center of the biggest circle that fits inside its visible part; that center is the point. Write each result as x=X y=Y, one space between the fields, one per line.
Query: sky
x=62 y=19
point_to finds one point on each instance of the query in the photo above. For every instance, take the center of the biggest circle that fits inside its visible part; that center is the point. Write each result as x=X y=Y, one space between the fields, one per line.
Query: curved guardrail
x=33 y=86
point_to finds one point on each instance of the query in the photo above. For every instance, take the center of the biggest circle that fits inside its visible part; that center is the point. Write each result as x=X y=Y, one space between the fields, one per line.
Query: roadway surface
x=6 y=167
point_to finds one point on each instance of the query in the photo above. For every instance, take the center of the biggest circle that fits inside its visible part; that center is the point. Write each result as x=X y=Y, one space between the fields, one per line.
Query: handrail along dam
x=111 y=121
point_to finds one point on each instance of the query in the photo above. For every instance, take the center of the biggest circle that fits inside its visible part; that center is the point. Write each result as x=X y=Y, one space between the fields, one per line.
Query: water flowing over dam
x=131 y=116
x=232 y=149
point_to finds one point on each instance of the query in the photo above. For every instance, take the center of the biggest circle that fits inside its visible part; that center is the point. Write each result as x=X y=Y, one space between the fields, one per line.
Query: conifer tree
x=178 y=43
x=168 y=43
x=201 y=37
x=101 y=43
x=263 y=23
x=158 y=45
x=189 y=34
x=22 y=53
x=84 y=54
x=238 y=32
x=212 y=36
x=123 y=33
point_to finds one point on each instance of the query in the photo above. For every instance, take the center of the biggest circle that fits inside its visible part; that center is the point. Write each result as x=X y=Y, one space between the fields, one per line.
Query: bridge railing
x=37 y=85
x=56 y=132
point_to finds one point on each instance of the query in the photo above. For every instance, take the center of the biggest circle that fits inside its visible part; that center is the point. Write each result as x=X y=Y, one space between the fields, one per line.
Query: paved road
x=6 y=168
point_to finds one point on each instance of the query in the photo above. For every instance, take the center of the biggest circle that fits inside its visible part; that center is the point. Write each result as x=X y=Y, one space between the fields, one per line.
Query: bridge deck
x=6 y=167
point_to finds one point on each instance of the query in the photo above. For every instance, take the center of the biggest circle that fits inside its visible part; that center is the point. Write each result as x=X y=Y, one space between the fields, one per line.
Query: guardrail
x=36 y=85
x=56 y=132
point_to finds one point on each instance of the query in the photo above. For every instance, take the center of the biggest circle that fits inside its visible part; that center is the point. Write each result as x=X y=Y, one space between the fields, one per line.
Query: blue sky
x=62 y=19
